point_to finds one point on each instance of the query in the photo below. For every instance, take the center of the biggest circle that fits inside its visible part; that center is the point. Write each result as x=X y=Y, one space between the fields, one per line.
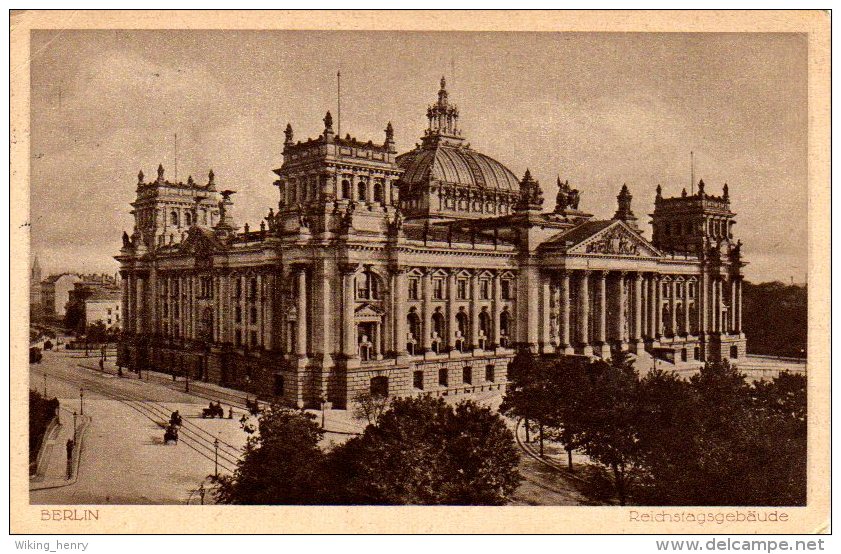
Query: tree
x=609 y=432
x=280 y=464
x=369 y=407
x=567 y=387
x=424 y=451
x=525 y=394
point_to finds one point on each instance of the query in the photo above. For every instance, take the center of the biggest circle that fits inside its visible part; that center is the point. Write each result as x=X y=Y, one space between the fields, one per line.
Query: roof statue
x=568 y=197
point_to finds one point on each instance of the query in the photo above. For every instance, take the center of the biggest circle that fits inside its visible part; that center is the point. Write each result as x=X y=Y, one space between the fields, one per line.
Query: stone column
x=497 y=307
x=702 y=305
x=564 y=319
x=474 y=315
x=584 y=312
x=656 y=298
x=400 y=311
x=621 y=313
x=530 y=312
x=301 y=338
x=452 y=311
x=686 y=319
x=426 y=311
x=638 y=328
x=714 y=305
x=268 y=334
x=672 y=305
x=140 y=312
x=349 y=349
x=545 y=314
x=732 y=322
x=739 y=306
x=124 y=297
x=601 y=296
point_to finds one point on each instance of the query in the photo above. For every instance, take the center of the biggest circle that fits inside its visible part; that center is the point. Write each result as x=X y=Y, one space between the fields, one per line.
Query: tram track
x=193 y=436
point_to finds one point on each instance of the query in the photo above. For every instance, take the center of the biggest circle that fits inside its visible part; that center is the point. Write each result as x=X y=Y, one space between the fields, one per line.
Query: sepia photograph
x=355 y=266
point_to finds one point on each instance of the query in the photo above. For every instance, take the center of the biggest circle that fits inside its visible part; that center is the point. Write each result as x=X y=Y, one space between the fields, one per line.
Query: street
x=123 y=459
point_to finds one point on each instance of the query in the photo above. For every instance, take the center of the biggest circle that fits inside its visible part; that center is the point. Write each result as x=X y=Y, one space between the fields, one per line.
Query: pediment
x=615 y=240
x=368 y=311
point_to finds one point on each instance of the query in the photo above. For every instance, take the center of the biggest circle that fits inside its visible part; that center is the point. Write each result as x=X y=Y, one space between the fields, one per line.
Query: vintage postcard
x=420 y=272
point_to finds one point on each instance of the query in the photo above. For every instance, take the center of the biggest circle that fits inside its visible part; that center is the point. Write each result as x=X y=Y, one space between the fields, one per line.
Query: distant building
x=94 y=301
x=55 y=293
x=416 y=274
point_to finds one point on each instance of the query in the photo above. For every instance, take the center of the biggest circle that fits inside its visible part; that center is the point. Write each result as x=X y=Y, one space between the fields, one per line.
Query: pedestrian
x=230 y=412
x=101 y=364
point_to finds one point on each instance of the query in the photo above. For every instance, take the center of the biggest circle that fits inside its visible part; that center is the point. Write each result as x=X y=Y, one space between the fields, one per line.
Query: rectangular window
x=417 y=379
x=442 y=377
x=253 y=315
x=467 y=375
x=506 y=289
x=252 y=289
x=484 y=289
x=462 y=289
x=253 y=338
x=438 y=289
x=666 y=289
x=238 y=314
x=413 y=289
x=691 y=290
x=237 y=337
x=489 y=373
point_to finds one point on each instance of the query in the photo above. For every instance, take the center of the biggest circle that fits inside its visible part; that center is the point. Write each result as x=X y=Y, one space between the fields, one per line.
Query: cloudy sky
x=597 y=109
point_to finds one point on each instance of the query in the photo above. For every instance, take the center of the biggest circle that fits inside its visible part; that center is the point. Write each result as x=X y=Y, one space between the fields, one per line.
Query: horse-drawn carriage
x=214 y=410
x=175 y=419
x=171 y=434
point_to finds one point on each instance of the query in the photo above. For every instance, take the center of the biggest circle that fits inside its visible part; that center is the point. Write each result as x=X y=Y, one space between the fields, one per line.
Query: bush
x=41 y=412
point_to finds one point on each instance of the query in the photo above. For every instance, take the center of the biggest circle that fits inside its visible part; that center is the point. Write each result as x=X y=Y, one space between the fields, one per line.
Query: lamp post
x=81 y=401
x=45 y=385
x=74 y=426
x=216 y=457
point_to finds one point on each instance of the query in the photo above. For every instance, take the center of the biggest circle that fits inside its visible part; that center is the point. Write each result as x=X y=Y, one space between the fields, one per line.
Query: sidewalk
x=52 y=471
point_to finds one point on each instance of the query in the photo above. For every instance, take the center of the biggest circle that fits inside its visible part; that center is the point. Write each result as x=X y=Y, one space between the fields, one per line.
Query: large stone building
x=417 y=273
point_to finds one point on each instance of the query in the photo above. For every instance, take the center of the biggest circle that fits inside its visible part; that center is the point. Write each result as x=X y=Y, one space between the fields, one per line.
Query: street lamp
x=82 y=401
x=74 y=426
x=216 y=457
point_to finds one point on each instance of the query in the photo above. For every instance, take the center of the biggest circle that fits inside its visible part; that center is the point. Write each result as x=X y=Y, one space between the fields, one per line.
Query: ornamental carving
x=614 y=242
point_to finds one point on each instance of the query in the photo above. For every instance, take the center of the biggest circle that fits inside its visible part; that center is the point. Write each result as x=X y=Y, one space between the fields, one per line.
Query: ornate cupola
x=531 y=196
x=443 y=120
x=624 y=211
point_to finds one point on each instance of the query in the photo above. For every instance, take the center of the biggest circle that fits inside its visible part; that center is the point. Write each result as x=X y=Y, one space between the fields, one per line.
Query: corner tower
x=164 y=211
x=692 y=223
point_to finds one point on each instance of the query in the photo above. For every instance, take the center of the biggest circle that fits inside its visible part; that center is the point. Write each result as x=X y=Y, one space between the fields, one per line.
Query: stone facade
x=416 y=274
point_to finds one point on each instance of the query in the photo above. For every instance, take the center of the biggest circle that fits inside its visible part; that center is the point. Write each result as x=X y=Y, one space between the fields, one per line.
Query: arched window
x=173 y=218
x=484 y=330
x=361 y=188
x=346 y=189
x=462 y=324
x=414 y=331
x=666 y=318
x=681 y=320
x=378 y=191
x=504 y=329
x=438 y=332
x=188 y=219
